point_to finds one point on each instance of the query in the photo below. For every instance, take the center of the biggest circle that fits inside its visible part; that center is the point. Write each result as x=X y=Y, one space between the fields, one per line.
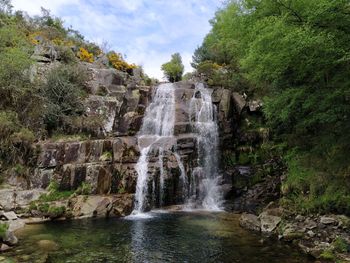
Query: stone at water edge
x=4 y=247
x=9 y=215
x=250 y=222
x=268 y=222
x=10 y=239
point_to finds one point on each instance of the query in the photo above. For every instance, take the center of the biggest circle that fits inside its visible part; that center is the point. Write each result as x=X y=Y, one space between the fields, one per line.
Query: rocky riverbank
x=325 y=237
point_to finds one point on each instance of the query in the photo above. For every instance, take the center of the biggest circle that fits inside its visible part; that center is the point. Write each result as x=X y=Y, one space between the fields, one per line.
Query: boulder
x=291 y=232
x=4 y=247
x=10 y=239
x=328 y=220
x=238 y=101
x=268 y=222
x=255 y=105
x=8 y=215
x=250 y=222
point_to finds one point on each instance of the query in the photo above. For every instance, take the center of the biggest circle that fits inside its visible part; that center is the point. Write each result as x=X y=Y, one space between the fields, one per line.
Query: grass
x=59 y=137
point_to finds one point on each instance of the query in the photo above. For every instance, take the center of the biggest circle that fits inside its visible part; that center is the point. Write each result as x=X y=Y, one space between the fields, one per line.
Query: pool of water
x=163 y=237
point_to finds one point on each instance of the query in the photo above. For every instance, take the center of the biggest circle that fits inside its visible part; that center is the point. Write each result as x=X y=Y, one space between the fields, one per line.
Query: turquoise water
x=166 y=237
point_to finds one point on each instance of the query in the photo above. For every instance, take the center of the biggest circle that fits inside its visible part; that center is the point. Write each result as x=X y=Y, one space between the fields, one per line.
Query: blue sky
x=146 y=31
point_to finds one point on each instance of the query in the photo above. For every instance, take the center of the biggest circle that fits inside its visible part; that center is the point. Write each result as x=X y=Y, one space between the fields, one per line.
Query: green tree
x=296 y=54
x=174 y=69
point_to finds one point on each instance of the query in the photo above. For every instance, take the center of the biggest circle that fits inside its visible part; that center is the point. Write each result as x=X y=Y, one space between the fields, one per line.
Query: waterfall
x=156 y=132
x=204 y=181
x=200 y=188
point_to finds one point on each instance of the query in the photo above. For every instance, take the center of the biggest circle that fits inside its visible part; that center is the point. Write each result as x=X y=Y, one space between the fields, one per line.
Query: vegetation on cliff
x=42 y=82
x=294 y=54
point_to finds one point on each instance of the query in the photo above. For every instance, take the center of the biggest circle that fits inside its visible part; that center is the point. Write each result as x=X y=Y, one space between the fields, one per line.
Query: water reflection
x=165 y=237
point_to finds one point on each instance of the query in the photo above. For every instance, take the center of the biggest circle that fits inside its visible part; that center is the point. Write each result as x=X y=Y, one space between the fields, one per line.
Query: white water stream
x=200 y=189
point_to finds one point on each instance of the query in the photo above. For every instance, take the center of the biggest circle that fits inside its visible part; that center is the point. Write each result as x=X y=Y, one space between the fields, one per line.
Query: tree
x=296 y=54
x=174 y=69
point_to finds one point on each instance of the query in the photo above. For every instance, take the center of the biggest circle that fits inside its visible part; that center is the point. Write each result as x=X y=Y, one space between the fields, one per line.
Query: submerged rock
x=48 y=245
x=250 y=222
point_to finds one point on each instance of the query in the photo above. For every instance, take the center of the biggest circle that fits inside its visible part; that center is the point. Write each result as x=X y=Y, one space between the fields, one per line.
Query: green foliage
x=340 y=245
x=174 y=69
x=84 y=189
x=56 y=211
x=328 y=255
x=295 y=54
x=3 y=230
x=54 y=193
x=63 y=94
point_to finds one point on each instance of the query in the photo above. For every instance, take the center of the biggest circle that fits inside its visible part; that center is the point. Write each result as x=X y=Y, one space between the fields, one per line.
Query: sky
x=147 y=32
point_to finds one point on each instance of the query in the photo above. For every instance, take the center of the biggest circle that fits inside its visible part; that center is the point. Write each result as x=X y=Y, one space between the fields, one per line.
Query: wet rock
x=250 y=222
x=268 y=222
x=292 y=232
x=14 y=225
x=10 y=239
x=4 y=247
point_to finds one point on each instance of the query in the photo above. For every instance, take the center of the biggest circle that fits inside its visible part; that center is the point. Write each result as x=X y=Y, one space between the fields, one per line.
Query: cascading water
x=200 y=189
x=204 y=181
x=157 y=129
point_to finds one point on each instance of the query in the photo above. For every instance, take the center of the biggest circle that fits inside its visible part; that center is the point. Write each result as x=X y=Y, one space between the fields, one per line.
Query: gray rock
x=9 y=215
x=310 y=224
x=4 y=247
x=300 y=218
x=255 y=105
x=311 y=233
x=239 y=102
x=268 y=222
x=10 y=239
x=327 y=220
x=250 y=222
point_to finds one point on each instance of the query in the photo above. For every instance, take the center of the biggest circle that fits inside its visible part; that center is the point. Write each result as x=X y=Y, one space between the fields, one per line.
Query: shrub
x=116 y=60
x=63 y=92
x=84 y=189
x=85 y=56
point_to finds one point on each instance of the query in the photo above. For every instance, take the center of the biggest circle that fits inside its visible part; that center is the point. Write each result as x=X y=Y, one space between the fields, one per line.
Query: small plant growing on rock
x=84 y=189
x=3 y=229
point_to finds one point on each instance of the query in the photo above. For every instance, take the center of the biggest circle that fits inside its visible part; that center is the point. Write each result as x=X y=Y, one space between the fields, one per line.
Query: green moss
x=328 y=255
x=3 y=229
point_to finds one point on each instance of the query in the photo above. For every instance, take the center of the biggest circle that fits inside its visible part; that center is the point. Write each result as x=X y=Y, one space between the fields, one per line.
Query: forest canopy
x=296 y=55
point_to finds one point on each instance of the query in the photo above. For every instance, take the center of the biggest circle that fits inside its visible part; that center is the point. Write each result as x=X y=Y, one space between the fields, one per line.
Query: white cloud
x=33 y=7
x=148 y=32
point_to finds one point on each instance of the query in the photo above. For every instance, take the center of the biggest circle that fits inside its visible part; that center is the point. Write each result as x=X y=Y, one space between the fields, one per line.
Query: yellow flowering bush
x=117 y=61
x=84 y=55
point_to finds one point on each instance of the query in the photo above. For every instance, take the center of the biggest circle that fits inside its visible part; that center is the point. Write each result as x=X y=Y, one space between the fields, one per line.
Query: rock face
x=102 y=206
